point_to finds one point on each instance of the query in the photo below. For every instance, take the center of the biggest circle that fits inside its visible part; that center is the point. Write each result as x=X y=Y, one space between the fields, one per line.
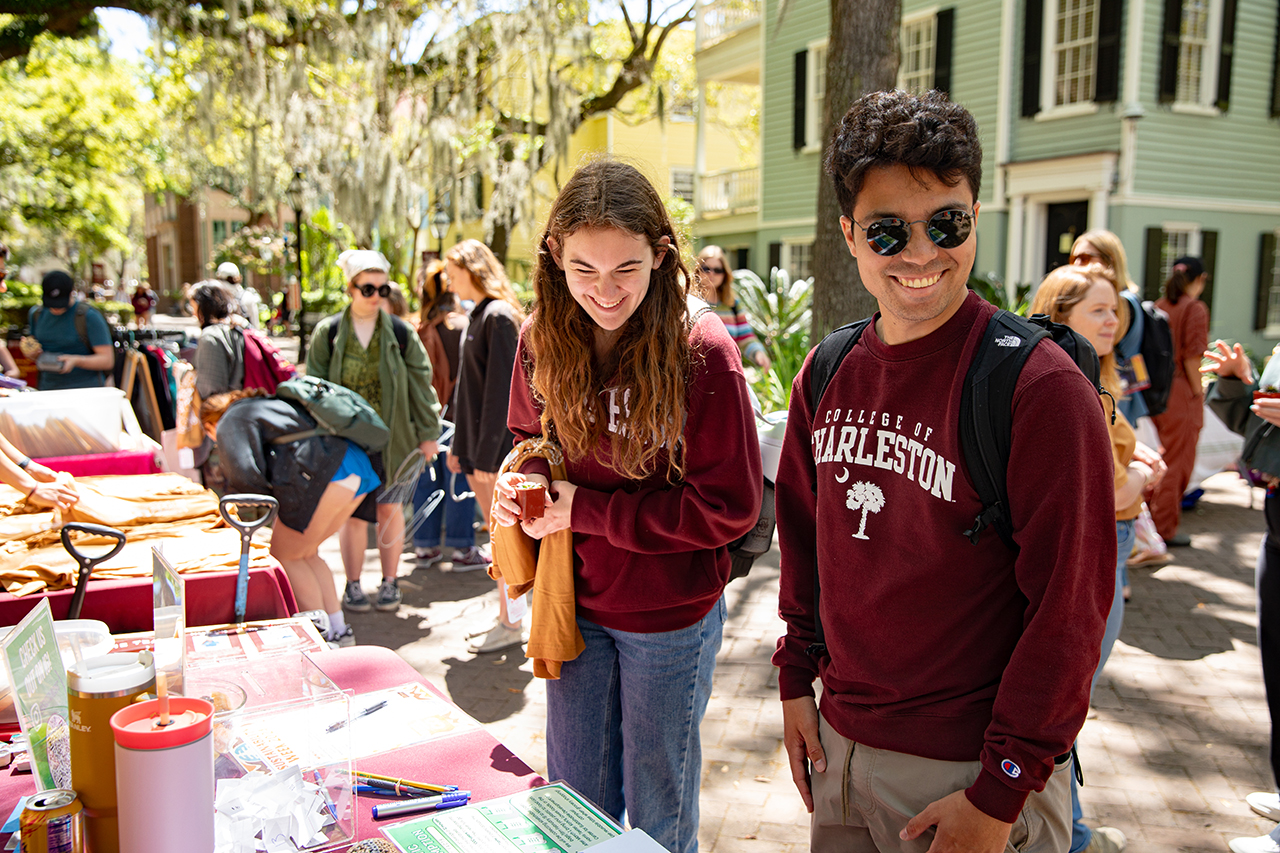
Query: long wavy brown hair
x=486 y=272
x=650 y=356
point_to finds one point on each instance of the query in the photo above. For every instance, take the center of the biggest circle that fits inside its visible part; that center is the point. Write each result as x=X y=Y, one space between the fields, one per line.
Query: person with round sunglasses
x=715 y=279
x=380 y=357
x=938 y=726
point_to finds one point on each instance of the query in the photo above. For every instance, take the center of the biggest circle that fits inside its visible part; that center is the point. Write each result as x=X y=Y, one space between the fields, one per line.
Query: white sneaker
x=1106 y=839
x=428 y=557
x=1261 y=844
x=473 y=559
x=496 y=639
x=1265 y=803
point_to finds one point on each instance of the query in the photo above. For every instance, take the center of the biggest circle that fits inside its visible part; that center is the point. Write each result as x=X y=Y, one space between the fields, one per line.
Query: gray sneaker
x=388 y=596
x=345 y=639
x=354 y=599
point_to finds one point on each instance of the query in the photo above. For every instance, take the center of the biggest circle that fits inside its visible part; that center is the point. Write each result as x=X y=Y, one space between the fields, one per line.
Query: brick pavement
x=1178 y=734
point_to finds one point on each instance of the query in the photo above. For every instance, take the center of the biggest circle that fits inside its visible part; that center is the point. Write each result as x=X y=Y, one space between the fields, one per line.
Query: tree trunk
x=862 y=56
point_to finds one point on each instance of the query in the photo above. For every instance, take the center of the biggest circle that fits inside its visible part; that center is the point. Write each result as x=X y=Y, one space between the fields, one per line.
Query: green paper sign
x=40 y=693
x=551 y=819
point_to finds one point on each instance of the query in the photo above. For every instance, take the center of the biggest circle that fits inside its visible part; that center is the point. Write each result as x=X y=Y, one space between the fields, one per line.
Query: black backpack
x=1157 y=356
x=744 y=550
x=986 y=416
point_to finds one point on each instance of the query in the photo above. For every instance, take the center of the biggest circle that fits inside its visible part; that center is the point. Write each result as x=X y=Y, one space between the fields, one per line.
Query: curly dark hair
x=922 y=132
x=214 y=302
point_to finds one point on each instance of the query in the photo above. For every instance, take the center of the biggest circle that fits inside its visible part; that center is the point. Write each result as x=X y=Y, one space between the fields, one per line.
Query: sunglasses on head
x=946 y=228
x=709 y=270
x=369 y=289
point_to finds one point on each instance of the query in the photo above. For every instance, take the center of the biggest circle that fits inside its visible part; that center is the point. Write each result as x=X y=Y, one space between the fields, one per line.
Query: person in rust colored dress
x=1179 y=425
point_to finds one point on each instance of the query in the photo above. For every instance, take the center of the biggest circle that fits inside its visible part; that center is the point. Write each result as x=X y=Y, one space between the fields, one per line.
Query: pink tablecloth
x=120 y=462
x=475 y=759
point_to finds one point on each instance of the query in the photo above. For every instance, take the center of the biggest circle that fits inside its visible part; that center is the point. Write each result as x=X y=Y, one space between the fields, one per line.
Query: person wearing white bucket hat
x=380 y=358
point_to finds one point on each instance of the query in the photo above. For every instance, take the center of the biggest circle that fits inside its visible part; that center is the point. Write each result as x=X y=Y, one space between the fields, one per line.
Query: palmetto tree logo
x=866 y=497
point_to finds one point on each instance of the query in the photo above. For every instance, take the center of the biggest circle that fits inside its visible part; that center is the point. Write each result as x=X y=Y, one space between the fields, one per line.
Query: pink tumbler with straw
x=164 y=775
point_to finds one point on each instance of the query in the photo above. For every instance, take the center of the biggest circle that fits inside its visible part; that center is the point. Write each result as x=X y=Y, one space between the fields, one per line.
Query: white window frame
x=920 y=80
x=1189 y=240
x=690 y=180
x=1050 y=108
x=1211 y=46
x=789 y=253
x=815 y=91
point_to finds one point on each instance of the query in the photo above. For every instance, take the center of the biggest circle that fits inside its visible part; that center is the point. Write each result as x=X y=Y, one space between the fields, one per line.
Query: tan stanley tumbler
x=96 y=689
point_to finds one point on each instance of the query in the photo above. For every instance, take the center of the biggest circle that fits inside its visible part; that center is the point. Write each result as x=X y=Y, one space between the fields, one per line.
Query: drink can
x=53 y=822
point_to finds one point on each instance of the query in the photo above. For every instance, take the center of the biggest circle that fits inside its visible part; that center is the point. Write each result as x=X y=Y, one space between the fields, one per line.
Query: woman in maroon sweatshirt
x=663 y=470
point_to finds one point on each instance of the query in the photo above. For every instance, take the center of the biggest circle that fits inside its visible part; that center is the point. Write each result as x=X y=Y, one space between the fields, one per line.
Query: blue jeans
x=1081 y=834
x=623 y=724
x=457 y=516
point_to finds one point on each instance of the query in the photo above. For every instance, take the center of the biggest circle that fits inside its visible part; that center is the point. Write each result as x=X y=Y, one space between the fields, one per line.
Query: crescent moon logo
x=843 y=476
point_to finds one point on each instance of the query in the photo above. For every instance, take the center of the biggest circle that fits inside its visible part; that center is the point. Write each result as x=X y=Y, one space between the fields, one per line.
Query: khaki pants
x=867 y=796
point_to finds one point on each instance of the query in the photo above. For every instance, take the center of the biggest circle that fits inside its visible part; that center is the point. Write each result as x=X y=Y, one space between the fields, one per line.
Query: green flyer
x=40 y=692
x=551 y=819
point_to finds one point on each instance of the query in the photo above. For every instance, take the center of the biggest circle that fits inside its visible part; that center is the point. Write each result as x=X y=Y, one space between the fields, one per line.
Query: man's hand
x=800 y=737
x=962 y=827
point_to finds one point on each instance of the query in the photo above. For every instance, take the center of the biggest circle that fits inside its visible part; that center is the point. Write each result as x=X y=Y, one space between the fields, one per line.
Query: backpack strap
x=827 y=358
x=986 y=416
x=81 y=321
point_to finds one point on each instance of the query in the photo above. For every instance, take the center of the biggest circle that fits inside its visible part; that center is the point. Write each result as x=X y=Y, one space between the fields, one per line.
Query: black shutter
x=1032 y=43
x=1226 y=51
x=1152 y=280
x=801 y=95
x=1209 y=256
x=1169 y=48
x=775 y=256
x=479 y=185
x=742 y=258
x=1266 y=267
x=1275 y=71
x=1107 y=85
x=944 y=29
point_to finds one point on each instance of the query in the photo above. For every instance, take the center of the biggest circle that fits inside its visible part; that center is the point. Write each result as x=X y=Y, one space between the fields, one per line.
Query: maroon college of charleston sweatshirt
x=938 y=647
x=650 y=556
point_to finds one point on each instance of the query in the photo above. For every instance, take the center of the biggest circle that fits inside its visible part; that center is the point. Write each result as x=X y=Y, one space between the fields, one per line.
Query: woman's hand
x=505 y=509
x=1154 y=463
x=558 y=514
x=1228 y=362
x=451 y=462
x=1268 y=410
x=429 y=450
x=761 y=359
x=54 y=494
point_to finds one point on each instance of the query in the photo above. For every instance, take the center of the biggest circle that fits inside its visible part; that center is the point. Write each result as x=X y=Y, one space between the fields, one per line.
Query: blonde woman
x=481 y=439
x=1084 y=298
x=716 y=281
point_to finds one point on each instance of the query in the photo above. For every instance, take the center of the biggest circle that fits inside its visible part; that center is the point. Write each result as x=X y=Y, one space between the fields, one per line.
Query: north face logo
x=1008 y=341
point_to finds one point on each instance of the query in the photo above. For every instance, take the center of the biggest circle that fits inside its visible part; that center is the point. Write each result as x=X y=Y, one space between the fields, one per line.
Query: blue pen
x=453 y=799
x=403 y=787
x=372 y=791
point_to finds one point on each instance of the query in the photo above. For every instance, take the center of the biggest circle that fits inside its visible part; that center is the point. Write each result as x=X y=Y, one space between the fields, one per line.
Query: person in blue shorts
x=318 y=481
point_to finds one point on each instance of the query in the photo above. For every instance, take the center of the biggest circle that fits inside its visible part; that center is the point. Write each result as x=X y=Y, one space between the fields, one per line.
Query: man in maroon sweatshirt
x=955 y=676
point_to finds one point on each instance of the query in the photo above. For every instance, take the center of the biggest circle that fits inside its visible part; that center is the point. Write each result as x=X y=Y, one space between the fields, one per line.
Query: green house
x=1156 y=119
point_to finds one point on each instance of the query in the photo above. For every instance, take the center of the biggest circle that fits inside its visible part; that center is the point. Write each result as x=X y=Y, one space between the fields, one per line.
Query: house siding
x=1235 y=155
x=789 y=183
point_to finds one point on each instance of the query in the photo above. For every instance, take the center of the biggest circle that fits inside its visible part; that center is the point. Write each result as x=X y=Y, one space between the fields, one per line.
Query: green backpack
x=336 y=410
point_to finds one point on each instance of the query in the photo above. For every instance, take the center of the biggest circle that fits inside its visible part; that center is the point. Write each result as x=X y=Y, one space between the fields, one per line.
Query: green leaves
x=780 y=313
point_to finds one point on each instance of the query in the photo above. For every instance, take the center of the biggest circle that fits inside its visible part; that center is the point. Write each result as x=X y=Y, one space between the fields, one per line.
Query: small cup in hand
x=532 y=499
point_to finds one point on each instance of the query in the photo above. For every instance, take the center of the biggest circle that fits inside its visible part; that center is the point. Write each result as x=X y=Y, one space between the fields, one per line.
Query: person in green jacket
x=380 y=358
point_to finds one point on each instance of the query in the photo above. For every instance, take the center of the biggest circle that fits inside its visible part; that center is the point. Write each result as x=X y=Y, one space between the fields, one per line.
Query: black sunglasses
x=947 y=229
x=368 y=290
x=707 y=269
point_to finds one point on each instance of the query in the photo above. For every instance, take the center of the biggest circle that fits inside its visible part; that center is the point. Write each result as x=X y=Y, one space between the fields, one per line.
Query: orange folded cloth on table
x=546 y=567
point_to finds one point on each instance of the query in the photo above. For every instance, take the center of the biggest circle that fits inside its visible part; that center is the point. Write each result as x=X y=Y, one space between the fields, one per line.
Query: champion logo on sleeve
x=1013 y=771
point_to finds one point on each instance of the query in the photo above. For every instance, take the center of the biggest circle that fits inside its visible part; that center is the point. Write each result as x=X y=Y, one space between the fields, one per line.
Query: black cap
x=57 y=289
